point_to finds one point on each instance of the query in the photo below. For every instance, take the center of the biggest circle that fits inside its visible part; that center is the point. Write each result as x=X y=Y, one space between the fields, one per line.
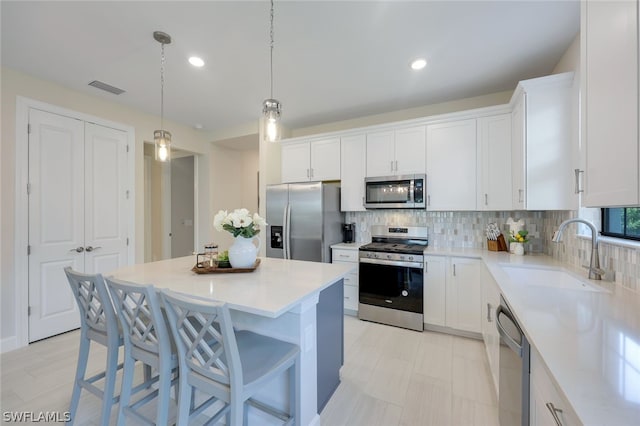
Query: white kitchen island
x=278 y=299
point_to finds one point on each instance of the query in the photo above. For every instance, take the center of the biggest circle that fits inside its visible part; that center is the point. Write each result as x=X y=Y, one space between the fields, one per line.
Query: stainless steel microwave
x=395 y=192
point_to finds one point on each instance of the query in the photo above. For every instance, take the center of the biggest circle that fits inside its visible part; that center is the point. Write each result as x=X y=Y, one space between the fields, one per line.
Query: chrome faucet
x=595 y=273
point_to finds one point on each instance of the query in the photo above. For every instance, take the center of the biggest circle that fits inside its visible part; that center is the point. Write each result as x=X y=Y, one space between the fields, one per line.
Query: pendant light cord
x=162 y=89
x=271 y=50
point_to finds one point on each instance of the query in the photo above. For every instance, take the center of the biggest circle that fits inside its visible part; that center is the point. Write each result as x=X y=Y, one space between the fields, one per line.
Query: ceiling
x=333 y=60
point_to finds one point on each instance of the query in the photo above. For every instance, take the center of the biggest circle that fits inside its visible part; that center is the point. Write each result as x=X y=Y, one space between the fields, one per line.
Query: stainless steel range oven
x=391 y=276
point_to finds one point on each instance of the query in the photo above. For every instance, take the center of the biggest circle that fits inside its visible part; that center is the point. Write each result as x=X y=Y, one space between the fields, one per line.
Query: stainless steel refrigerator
x=304 y=220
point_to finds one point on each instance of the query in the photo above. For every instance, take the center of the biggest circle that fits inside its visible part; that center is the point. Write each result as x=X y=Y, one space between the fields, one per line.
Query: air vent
x=106 y=87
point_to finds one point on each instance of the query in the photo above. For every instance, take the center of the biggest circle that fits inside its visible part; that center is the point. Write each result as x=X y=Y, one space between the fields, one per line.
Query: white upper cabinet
x=295 y=162
x=544 y=145
x=610 y=50
x=396 y=152
x=410 y=150
x=353 y=150
x=315 y=160
x=380 y=153
x=451 y=165
x=494 y=165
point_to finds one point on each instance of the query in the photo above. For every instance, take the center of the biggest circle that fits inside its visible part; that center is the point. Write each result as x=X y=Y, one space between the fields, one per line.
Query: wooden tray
x=216 y=270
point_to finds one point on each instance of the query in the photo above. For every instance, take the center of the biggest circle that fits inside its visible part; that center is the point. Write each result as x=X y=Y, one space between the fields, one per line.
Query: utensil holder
x=497 y=245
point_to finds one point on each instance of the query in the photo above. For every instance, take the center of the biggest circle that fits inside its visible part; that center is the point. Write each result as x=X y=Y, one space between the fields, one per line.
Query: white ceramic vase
x=243 y=253
x=517 y=248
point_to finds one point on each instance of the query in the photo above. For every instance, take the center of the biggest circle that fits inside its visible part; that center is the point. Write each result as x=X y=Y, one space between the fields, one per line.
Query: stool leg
x=127 y=384
x=297 y=399
x=164 y=391
x=83 y=356
x=109 y=383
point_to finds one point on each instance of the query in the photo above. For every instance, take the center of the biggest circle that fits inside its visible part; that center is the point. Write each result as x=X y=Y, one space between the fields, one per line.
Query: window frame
x=604 y=215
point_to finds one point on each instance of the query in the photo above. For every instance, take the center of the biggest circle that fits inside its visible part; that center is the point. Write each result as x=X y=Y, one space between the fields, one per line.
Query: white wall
x=13 y=84
x=499 y=98
x=234 y=186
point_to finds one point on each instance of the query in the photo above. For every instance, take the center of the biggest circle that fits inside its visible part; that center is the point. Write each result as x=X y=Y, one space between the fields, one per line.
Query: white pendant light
x=271 y=108
x=162 y=138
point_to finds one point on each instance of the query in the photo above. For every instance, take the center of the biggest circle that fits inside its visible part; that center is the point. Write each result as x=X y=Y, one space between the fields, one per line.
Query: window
x=622 y=222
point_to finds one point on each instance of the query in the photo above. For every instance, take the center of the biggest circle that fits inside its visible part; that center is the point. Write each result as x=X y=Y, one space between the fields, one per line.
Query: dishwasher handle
x=515 y=346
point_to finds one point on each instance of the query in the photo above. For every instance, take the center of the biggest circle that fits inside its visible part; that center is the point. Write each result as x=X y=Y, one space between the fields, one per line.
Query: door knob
x=90 y=249
x=78 y=249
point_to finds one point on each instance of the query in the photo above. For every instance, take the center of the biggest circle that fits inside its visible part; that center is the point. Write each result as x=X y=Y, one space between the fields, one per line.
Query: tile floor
x=391 y=376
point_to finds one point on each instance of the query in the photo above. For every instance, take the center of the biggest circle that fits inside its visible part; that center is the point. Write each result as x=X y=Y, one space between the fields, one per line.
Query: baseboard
x=315 y=421
x=351 y=312
x=453 y=331
x=8 y=344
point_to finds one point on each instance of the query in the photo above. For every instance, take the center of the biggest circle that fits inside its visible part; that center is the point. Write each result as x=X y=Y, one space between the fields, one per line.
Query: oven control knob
x=401 y=257
x=405 y=293
x=389 y=256
x=410 y=257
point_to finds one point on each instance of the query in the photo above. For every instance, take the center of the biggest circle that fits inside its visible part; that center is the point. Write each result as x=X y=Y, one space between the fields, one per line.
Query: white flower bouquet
x=239 y=222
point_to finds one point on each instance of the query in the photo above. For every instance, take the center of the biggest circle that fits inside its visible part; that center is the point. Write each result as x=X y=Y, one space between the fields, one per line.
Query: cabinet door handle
x=577 y=172
x=488 y=312
x=428 y=200
x=308 y=173
x=396 y=165
x=78 y=249
x=90 y=249
x=454 y=269
x=312 y=172
x=426 y=267
x=486 y=199
x=554 y=413
x=520 y=195
x=391 y=165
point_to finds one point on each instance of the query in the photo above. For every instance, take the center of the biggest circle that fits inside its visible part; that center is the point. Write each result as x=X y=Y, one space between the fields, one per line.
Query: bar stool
x=227 y=364
x=146 y=339
x=98 y=324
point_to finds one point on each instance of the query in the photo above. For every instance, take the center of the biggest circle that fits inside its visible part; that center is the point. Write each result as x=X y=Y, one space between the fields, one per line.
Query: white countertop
x=589 y=341
x=274 y=288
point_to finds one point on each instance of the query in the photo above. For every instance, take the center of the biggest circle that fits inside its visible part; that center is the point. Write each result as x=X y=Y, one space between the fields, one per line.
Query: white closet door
x=56 y=220
x=105 y=165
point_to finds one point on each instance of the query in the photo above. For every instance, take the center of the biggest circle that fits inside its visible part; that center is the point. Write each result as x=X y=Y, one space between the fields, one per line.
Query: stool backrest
x=205 y=338
x=139 y=311
x=97 y=316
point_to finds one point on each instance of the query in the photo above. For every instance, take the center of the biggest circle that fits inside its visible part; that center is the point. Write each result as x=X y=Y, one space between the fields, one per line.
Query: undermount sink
x=549 y=277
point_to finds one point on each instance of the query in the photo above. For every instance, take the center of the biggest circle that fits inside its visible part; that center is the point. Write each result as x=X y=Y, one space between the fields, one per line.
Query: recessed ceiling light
x=418 y=64
x=196 y=62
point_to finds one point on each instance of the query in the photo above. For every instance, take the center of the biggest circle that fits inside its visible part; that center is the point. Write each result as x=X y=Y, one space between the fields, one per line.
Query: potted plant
x=245 y=228
x=517 y=240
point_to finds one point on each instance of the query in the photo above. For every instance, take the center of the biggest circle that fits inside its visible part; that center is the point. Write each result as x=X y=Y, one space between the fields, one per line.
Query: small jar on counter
x=211 y=253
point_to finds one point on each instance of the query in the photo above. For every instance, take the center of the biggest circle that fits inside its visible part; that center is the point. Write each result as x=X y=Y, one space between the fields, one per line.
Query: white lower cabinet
x=452 y=293
x=490 y=335
x=349 y=256
x=548 y=407
x=435 y=290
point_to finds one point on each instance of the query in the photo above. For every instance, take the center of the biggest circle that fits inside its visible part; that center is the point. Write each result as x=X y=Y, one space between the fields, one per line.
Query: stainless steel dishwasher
x=513 y=394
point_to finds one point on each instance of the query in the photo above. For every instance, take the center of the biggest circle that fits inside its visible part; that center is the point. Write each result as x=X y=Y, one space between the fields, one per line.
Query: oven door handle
x=417 y=265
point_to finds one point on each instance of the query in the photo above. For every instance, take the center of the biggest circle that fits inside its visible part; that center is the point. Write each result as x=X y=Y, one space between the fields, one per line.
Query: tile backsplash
x=467 y=230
